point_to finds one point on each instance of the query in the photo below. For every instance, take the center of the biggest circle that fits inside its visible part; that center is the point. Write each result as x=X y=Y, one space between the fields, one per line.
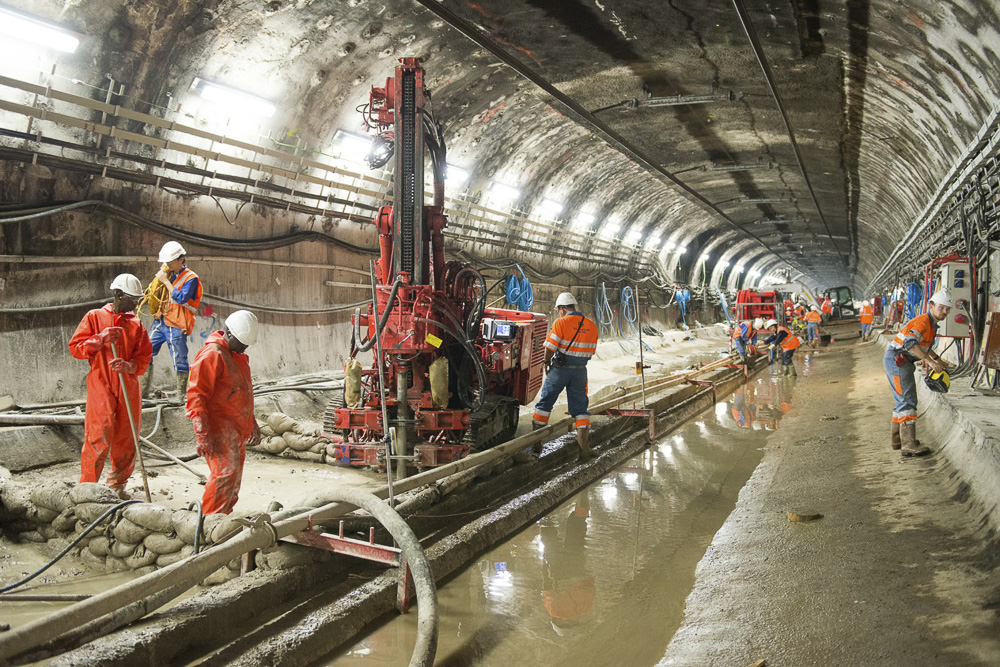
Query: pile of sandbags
x=283 y=436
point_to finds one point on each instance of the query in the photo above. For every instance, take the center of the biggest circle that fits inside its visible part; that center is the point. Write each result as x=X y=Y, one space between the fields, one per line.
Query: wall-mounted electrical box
x=956 y=278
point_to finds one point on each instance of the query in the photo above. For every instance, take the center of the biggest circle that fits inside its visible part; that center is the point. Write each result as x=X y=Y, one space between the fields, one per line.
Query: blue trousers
x=176 y=342
x=786 y=357
x=741 y=347
x=812 y=331
x=574 y=380
x=866 y=328
x=904 y=387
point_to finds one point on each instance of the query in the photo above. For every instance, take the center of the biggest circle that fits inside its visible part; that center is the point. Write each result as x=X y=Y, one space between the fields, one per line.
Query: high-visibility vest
x=181 y=315
x=583 y=346
x=813 y=316
x=920 y=329
x=745 y=331
x=791 y=341
x=867 y=315
x=826 y=307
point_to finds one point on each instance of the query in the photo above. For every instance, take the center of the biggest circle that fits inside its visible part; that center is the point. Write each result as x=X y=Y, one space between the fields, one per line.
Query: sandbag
x=209 y=524
x=52 y=496
x=226 y=528
x=331 y=452
x=47 y=531
x=288 y=556
x=145 y=570
x=89 y=512
x=265 y=430
x=153 y=517
x=352 y=383
x=91 y=492
x=115 y=564
x=45 y=515
x=66 y=520
x=303 y=456
x=319 y=447
x=100 y=546
x=274 y=444
x=185 y=524
x=163 y=544
x=32 y=536
x=122 y=549
x=300 y=443
x=169 y=559
x=280 y=422
x=126 y=531
x=141 y=557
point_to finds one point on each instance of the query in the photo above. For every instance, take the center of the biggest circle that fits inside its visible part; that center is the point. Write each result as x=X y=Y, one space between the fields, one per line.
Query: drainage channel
x=602 y=578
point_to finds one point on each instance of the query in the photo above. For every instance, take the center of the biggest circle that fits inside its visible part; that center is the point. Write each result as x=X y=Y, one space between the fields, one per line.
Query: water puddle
x=602 y=579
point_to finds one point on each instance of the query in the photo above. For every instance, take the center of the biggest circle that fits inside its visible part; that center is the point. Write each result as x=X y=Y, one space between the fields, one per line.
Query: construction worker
x=783 y=339
x=570 y=345
x=174 y=321
x=913 y=343
x=826 y=309
x=867 y=318
x=812 y=326
x=745 y=338
x=220 y=407
x=106 y=424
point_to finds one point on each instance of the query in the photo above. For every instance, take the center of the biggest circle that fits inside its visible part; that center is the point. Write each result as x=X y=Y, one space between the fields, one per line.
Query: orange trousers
x=225 y=465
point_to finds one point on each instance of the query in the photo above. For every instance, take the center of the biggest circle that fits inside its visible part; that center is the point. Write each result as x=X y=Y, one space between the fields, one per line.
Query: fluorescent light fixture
x=585 y=220
x=669 y=245
x=354 y=147
x=738 y=268
x=234 y=99
x=610 y=229
x=723 y=264
x=704 y=257
x=634 y=236
x=682 y=249
x=504 y=193
x=654 y=240
x=551 y=207
x=456 y=175
x=29 y=28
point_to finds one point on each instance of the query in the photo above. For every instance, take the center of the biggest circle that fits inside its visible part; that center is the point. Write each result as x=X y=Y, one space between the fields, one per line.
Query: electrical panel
x=957 y=279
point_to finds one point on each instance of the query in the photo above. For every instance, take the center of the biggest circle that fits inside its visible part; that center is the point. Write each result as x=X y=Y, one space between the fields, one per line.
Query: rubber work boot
x=896 y=442
x=147 y=381
x=908 y=438
x=537 y=447
x=121 y=492
x=784 y=371
x=182 y=386
x=792 y=371
x=583 y=440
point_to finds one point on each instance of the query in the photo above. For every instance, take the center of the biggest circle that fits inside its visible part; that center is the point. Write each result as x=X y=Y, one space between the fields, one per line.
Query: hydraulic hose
x=370 y=343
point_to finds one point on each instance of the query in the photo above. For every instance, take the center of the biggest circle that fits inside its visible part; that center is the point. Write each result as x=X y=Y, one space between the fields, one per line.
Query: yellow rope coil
x=155 y=295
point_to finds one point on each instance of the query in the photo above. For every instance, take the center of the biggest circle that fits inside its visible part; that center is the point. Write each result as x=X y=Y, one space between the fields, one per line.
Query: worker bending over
x=220 y=406
x=106 y=424
x=174 y=321
x=867 y=318
x=913 y=343
x=812 y=326
x=745 y=338
x=784 y=339
x=570 y=345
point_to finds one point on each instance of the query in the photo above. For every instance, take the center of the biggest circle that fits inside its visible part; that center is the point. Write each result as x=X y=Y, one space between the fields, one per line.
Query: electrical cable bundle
x=518 y=291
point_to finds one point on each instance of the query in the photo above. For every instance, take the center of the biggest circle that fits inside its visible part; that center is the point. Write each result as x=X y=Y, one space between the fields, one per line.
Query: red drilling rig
x=448 y=374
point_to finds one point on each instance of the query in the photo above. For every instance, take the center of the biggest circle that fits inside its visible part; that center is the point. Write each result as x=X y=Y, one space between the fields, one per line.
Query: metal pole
x=402 y=416
x=135 y=431
x=642 y=363
x=379 y=363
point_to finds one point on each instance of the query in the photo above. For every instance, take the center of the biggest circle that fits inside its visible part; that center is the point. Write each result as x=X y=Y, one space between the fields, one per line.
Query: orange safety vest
x=867 y=315
x=920 y=329
x=791 y=341
x=827 y=307
x=181 y=315
x=745 y=331
x=563 y=331
x=813 y=316
x=800 y=312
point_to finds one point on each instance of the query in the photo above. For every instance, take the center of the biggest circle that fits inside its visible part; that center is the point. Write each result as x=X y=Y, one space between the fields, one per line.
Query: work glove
x=204 y=445
x=162 y=276
x=122 y=366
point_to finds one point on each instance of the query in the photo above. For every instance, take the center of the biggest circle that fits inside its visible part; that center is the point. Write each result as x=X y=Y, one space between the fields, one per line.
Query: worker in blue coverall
x=174 y=320
x=745 y=338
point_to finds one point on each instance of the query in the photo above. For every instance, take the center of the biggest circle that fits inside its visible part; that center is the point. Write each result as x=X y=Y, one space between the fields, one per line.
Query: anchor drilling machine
x=448 y=373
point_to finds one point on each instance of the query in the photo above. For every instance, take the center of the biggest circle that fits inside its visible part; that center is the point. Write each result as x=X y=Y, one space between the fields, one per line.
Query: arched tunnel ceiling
x=881 y=98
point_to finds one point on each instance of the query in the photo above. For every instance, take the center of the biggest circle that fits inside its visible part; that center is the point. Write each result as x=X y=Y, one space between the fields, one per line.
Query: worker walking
x=812 y=326
x=174 y=321
x=745 y=338
x=867 y=318
x=106 y=424
x=220 y=406
x=783 y=339
x=913 y=343
x=570 y=345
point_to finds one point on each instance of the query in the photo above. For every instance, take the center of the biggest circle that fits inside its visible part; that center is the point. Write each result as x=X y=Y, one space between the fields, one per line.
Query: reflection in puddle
x=601 y=579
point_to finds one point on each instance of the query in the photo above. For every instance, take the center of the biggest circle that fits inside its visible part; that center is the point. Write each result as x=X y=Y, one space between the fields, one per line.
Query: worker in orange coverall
x=106 y=425
x=220 y=406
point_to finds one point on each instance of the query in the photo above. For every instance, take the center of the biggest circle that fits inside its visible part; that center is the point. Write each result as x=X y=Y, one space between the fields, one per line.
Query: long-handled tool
x=173 y=458
x=135 y=431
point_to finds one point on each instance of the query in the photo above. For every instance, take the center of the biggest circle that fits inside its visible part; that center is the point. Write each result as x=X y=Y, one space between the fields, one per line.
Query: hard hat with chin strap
x=128 y=284
x=942 y=298
x=171 y=250
x=565 y=299
x=243 y=325
x=770 y=323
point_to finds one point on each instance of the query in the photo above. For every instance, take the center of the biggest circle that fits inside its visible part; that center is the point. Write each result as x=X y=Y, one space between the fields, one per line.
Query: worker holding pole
x=115 y=342
x=220 y=407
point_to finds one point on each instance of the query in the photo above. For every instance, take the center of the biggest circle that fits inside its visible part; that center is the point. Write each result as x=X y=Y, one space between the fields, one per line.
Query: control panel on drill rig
x=448 y=373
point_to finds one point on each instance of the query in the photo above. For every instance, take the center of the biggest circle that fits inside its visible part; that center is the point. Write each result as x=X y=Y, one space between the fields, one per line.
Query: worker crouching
x=570 y=345
x=913 y=343
x=220 y=407
x=745 y=338
x=783 y=339
x=114 y=341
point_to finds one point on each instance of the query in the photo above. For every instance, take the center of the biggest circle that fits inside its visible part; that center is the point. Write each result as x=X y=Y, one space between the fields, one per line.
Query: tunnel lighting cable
x=79 y=538
x=518 y=291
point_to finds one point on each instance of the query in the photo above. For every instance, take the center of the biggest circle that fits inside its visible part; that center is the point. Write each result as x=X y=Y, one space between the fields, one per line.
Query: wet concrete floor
x=602 y=579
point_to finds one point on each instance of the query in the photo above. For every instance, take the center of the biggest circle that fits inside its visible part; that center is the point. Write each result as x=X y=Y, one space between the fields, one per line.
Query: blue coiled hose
x=518 y=291
x=914 y=300
x=683 y=296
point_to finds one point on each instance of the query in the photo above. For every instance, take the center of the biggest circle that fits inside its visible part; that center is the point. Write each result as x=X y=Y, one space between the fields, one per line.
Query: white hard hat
x=127 y=283
x=758 y=323
x=565 y=299
x=243 y=325
x=770 y=323
x=942 y=298
x=171 y=250
x=816 y=308
x=866 y=302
